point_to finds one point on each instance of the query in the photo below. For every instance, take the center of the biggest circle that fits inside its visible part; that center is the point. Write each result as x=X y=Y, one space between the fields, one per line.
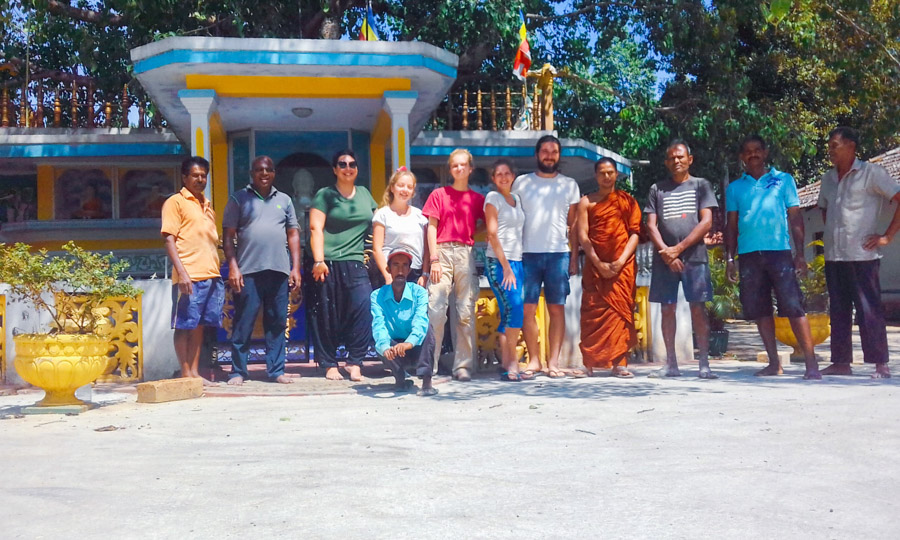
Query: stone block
x=169 y=390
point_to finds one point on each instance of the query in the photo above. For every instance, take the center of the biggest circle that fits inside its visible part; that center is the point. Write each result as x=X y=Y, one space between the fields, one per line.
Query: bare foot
x=706 y=373
x=284 y=379
x=205 y=381
x=666 y=371
x=333 y=374
x=237 y=380
x=812 y=375
x=771 y=370
x=354 y=372
x=838 y=369
x=462 y=375
x=882 y=371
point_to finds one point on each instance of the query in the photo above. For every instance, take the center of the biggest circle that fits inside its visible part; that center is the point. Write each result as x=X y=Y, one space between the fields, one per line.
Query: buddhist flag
x=367 y=31
x=523 y=55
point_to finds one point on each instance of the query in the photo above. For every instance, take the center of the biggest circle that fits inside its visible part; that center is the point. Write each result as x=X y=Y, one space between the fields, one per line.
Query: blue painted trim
x=187 y=56
x=204 y=93
x=484 y=151
x=89 y=150
x=406 y=94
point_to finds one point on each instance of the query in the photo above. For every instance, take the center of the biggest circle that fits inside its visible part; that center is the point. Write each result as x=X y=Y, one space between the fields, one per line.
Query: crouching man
x=400 y=325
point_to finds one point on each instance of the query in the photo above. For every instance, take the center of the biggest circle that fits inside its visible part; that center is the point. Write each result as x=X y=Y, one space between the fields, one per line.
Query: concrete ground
x=591 y=458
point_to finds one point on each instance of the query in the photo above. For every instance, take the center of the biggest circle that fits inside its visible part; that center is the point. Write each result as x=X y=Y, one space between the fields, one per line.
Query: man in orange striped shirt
x=189 y=230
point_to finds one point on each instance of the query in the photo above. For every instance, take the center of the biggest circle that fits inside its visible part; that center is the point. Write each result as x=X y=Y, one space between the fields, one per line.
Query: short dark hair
x=679 y=142
x=503 y=161
x=257 y=159
x=546 y=139
x=337 y=155
x=189 y=163
x=753 y=138
x=605 y=159
x=845 y=132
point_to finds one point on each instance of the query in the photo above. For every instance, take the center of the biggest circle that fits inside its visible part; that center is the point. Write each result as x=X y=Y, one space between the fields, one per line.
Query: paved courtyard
x=592 y=458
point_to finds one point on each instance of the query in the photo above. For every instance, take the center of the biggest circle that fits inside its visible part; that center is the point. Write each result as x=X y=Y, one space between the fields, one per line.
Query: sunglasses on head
x=345 y=164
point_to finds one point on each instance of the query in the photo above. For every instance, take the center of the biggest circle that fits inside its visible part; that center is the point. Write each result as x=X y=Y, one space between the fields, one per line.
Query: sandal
x=556 y=374
x=510 y=377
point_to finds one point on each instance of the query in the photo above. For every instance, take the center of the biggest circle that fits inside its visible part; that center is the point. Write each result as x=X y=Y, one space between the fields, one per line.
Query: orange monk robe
x=607 y=305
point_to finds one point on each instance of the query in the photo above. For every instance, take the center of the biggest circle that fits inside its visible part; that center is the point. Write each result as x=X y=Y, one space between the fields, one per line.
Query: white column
x=200 y=104
x=398 y=104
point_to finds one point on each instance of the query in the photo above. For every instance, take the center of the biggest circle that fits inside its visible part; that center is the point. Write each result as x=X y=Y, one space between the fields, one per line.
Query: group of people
x=536 y=224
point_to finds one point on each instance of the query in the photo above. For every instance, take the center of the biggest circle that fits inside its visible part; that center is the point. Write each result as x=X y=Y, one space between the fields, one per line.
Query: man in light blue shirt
x=400 y=325
x=759 y=206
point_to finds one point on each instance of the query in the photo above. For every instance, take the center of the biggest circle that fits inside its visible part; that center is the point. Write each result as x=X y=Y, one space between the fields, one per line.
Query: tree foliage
x=642 y=72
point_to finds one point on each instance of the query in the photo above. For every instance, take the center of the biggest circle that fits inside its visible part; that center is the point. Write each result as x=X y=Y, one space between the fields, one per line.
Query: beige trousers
x=457 y=276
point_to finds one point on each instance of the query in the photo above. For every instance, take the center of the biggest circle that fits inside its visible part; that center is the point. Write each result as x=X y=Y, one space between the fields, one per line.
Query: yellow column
x=200 y=104
x=377 y=145
x=398 y=105
x=219 y=164
x=45 y=193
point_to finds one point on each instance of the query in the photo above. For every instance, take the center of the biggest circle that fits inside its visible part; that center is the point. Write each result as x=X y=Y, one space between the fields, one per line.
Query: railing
x=73 y=104
x=524 y=107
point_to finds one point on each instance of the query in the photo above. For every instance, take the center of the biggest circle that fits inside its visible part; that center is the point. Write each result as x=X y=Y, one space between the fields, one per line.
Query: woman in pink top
x=453 y=212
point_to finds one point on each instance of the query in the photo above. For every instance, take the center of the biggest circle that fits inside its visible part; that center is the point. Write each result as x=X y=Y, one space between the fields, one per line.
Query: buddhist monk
x=608 y=225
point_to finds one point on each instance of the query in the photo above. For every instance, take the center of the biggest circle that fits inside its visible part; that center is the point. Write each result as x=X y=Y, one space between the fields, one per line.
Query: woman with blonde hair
x=398 y=224
x=453 y=212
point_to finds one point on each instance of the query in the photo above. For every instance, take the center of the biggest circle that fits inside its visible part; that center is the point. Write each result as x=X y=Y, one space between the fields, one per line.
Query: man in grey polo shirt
x=259 y=271
x=851 y=197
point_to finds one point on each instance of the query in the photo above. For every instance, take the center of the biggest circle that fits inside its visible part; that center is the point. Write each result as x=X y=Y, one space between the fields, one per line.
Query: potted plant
x=815 y=301
x=726 y=303
x=70 y=288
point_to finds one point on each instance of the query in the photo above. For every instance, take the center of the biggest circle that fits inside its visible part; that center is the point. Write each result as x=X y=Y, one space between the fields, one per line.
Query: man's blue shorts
x=694 y=280
x=550 y=270
x=202 y=308
x=509 y=302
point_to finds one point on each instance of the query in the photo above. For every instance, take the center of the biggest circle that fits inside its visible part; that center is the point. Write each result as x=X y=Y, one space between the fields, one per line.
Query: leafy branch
x=77 y=281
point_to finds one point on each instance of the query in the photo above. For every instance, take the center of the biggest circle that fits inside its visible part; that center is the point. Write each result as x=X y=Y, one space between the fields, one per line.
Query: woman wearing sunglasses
x=339 y=220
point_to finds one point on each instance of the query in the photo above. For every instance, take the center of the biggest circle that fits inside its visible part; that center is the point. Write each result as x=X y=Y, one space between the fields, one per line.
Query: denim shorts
x=509 y=302
x=550 y=270
x=763 y=272
x=694 y=280
x=203 y=307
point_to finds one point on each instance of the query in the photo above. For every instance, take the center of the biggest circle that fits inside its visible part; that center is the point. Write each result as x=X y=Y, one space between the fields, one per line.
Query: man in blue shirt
x=759 y=206
x=400 y=325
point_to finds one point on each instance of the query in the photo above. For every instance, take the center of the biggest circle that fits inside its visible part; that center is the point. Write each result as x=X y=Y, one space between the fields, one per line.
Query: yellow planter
x=60 y=364
x=819 y=325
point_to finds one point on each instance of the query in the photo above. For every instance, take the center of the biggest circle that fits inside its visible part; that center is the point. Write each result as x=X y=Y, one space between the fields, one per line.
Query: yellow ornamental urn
x=819 y=326
x=60 y=363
